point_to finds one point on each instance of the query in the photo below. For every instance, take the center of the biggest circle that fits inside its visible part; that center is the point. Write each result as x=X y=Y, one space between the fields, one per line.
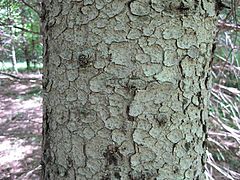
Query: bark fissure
x=126 y=88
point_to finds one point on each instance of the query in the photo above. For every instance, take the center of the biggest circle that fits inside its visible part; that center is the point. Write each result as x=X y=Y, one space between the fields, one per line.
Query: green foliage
x=19 y=26
x=22 y=67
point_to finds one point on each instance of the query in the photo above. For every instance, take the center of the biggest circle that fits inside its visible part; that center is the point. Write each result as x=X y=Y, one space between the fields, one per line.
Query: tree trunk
x=14 y=59
x=25 y=47
x=27 y=55
x=126 y=86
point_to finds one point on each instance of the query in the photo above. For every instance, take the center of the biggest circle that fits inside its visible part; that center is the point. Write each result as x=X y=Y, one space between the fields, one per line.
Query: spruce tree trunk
x=126 y=88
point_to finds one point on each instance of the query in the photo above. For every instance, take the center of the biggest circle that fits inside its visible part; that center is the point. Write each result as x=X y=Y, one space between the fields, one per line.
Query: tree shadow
x=20 y=128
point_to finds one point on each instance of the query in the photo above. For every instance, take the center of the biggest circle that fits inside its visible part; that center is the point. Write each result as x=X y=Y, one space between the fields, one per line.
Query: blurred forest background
x=20 y=93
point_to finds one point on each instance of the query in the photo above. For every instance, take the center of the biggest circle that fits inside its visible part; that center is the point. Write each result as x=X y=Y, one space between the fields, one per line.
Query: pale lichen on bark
x=126 y=88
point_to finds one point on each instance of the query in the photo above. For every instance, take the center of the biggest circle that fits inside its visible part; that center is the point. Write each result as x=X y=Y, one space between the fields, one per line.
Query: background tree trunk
x=14 y=59
x=126 y=86
x=25 y=47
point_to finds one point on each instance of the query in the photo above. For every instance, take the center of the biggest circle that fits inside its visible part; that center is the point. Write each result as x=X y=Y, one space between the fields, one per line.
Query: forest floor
x=20 y=126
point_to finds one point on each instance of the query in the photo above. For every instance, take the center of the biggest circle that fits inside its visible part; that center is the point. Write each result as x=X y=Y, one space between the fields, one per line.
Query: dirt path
x=20 y=127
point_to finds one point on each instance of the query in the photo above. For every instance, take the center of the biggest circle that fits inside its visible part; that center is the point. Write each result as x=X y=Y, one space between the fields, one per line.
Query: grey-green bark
x=126 y=88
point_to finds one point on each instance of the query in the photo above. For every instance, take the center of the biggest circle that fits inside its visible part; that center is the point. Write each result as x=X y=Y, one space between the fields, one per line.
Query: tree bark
x=126 y=88
x=14 y=59
x=25 y=41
